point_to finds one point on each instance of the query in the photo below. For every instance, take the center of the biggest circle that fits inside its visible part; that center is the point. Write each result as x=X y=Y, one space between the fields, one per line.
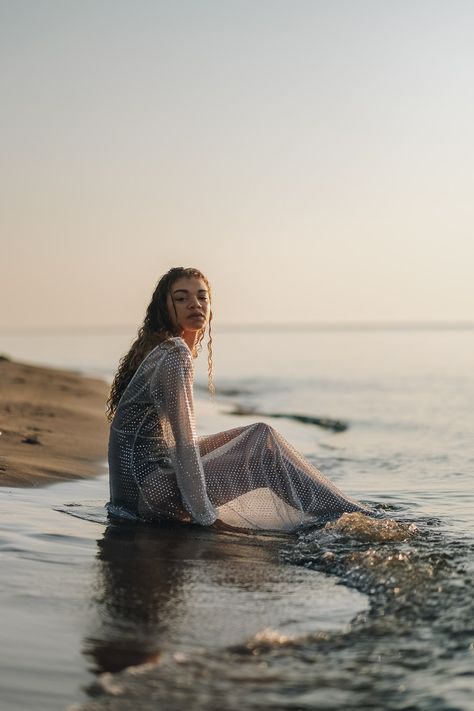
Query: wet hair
x=156 y=328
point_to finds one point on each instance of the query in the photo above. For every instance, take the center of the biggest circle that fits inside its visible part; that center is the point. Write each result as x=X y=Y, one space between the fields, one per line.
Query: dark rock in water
x=325 y=422
x=224 y=391
x=232 y=392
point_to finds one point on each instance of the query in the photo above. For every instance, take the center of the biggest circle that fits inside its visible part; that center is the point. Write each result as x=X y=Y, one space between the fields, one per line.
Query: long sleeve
x=177 y=387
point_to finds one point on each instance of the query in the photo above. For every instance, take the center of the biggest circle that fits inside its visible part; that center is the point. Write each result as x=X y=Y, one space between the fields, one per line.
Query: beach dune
x=52 y=422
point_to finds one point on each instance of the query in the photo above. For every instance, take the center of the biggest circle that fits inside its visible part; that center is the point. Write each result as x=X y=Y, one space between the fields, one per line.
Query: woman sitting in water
x=160 y=470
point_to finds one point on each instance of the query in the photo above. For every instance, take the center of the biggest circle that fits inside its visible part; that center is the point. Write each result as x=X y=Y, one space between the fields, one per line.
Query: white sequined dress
x=248 y=477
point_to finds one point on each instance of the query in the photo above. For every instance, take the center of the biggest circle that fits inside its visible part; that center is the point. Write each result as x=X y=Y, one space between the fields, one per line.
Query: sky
x=315 y=158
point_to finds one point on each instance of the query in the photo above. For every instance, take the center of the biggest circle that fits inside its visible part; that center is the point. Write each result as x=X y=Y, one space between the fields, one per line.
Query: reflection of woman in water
x=137 y=591
x=158 y=588
x=159 y=469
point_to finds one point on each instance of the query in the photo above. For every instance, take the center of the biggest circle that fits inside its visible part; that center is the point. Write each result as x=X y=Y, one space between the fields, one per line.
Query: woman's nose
x=194 y=303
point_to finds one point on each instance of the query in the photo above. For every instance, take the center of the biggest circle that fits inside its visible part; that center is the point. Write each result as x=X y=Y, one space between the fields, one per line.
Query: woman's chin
x=194 y=328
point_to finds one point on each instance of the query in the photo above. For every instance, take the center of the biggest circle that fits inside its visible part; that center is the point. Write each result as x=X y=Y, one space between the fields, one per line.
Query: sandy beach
x=52 y=422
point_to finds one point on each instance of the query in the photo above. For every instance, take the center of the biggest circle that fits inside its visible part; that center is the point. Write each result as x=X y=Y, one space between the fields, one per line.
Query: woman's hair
x=157 y=327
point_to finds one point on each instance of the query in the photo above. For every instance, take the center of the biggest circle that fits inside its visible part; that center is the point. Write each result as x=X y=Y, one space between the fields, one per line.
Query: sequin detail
x=249 y=477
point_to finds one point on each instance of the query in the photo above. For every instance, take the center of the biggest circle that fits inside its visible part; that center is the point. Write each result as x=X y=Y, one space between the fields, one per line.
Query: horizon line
x=266 y=327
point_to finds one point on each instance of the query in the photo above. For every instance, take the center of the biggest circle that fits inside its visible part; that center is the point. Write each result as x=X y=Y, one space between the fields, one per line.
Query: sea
x=98 y=615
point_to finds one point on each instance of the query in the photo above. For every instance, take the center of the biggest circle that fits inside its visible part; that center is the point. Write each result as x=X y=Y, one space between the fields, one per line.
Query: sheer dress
x=249 y=477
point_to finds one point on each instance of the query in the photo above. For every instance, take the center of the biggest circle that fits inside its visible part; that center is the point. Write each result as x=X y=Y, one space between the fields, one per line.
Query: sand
x=53 y=425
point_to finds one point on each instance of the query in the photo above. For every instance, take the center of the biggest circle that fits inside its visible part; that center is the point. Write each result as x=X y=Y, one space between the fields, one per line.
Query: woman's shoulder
x=174 y=345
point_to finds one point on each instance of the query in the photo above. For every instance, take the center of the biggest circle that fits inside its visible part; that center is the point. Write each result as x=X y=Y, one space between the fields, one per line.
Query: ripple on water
x=364 y=528
x=94 y=511
x=399 y=653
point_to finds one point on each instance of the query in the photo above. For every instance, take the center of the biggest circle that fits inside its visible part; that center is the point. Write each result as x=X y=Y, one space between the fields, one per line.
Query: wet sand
x=53 y=425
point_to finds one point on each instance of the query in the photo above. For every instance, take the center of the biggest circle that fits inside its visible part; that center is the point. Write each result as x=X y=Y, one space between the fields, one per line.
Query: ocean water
x=350 y=616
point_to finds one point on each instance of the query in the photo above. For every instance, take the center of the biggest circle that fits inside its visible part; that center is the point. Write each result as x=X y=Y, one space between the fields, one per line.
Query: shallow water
x=172 y=618
x=81 y=596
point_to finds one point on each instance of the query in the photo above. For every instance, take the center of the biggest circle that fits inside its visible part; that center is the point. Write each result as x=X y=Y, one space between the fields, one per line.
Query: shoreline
x=53 y=425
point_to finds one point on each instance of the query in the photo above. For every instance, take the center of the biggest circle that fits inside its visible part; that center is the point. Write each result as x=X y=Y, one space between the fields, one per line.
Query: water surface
x=335 y=618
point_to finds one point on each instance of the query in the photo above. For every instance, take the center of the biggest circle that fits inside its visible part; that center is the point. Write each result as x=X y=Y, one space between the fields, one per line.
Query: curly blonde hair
x=156 y=328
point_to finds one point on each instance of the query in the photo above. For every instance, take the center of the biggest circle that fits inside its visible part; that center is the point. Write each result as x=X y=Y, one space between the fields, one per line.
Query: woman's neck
x=190 y=338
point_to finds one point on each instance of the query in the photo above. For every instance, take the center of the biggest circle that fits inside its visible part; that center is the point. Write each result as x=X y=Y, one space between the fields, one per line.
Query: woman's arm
x=177 y=383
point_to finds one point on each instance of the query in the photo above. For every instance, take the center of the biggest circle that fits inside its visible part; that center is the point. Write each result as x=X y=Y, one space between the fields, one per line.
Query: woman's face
x=188 y=304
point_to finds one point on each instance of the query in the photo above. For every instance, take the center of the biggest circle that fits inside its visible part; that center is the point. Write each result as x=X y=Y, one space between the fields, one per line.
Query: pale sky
x=315 y=158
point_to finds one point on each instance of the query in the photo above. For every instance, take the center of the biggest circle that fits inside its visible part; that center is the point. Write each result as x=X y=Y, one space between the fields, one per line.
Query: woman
x=159 y=469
